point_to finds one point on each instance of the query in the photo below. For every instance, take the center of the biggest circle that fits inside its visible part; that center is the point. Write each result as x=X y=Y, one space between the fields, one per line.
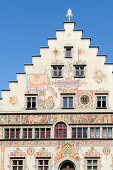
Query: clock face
x=84 y=99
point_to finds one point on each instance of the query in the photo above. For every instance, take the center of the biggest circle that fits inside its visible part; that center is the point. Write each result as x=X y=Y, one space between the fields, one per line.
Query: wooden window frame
x=63 y=127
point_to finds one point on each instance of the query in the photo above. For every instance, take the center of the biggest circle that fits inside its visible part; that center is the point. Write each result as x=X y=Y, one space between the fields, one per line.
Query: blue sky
x=26 y=24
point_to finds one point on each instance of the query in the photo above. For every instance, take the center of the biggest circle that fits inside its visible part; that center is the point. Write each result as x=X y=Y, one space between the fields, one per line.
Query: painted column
x=2 y=158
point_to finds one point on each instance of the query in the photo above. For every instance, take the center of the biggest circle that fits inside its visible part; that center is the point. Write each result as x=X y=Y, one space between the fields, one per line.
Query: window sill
x=67 y=108
x=57 y=77
x=31 y=108
x=101 y=107
x=79 y=77
x=68 y=57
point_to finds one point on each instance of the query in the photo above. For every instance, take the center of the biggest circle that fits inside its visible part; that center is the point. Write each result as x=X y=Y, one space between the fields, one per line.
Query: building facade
x=58 y=115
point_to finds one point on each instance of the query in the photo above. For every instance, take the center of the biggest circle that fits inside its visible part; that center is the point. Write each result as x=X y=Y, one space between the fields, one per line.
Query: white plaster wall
x=42 y=65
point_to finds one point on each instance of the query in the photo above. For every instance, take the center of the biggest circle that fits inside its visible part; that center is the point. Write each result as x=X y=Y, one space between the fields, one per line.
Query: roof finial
x=69 y=14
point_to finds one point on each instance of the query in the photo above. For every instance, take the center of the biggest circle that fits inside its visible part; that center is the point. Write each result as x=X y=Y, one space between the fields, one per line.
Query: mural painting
x=84 y=98
x=36 y=82
x=50 y=118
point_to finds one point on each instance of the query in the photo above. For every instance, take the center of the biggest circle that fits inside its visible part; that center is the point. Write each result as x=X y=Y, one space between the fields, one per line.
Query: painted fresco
x=85 y=104
x=52 y=118
x=36 y=81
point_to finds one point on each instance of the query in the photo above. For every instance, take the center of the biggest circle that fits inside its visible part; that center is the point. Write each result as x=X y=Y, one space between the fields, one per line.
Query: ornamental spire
x=69 y=14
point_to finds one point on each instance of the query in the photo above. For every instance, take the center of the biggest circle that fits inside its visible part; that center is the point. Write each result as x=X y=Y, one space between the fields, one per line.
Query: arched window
x=60 y=130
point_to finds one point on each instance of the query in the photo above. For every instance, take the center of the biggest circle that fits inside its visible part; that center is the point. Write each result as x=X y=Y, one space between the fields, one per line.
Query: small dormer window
x=68 y=52
x=79 y=71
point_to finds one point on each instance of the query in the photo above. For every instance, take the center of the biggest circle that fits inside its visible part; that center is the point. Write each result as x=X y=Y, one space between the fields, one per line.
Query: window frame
x=60 y=128
x=101 y=95
x=57 y=71
x=26 y=101
x=95 y=133
x=82 y=132
x=75 y=70
x=15 y=133
x=68 y=95
x=71 y=54
x=97 y=158
x=17 y=159
x=107 y=133
x=43 y=165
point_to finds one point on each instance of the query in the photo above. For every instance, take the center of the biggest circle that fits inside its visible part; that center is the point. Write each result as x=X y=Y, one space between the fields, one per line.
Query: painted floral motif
x=17 y=153
x=92 y=152
x=43 y=153
x=99 y=76
x=30 y=151
x=106 y=151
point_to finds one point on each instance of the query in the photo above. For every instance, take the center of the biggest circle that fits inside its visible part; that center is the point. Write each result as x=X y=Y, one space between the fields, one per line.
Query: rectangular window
x=79 y=132
x=29 y=133
x=68 y=102
x=17 y=163
x=43 y=163
x=68 y=52
x=42 y=133
x=6 y=134
x=92 y=163
x=57 y=71
x=12 y=133
x=79 y=71
x=73 y=132
x=36 y=133
x=107 y=132
x=95 y=132
x=17 y=133
x=25 y=133
x=31 y=102
x=101 y=102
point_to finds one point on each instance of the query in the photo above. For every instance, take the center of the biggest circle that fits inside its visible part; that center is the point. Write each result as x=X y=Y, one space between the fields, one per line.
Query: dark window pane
x=98 y=103
x=12 y=133
x=40 y=162
x=48 y=133
x=29 y=99
x=60 y=133
x=97 y=132
x=103 y=103
x=14 y=168
x=28 y=104
x=20 y=162
x=84 y=132
x=109 y=132
x=92 y=132
x=42 y=135
x=79 y=133
x=24 y=133
x=46 y=162
x=14 y=162
x=20 y=168
x=104 y=132
x=17 y=133
x=6 y=133
x=30 y=133
x=73 y=132
x=37 y=133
